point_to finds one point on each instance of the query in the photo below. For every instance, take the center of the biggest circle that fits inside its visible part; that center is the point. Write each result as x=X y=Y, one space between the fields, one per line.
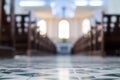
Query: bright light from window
x=63 y=29
x=32 y=3
x=81 y=2
x=96 y=3
x=86 y=26
x=42 y=27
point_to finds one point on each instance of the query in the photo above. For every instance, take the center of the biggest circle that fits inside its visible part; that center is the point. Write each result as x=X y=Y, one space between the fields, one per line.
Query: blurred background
x=50 y=27
x=59 y=39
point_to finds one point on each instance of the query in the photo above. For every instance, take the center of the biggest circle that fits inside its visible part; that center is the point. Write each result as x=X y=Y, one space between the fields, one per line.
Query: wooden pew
x=111 y=26
x=27 y=38
x=21 y=33
x=6 y=43
x=83 y=44
x=15 y=32
x=39 y=44
x=97 y=40
x=91 y=43
x=107 y=35
x=5 y=28
x=104 y=38
x=44 y=44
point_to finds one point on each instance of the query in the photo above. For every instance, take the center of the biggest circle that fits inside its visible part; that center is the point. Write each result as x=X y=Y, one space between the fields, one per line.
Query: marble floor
x=60 y=68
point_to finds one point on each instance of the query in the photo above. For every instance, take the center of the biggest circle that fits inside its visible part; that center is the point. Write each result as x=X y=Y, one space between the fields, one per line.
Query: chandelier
x=63 y=8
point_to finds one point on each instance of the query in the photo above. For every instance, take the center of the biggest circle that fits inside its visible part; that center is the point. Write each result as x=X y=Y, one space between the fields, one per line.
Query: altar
x=64 y=48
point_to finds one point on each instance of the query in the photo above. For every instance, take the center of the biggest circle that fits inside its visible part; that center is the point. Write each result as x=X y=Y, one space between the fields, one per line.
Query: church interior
x=59 y=40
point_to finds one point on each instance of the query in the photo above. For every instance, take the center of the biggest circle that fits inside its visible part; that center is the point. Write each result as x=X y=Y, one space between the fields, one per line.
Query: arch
x=64 y=29
x=86 y=26
x=42 y=27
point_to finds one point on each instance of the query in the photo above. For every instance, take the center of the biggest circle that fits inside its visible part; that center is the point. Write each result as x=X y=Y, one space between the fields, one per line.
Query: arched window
x=42 y=27
x=86 y=26
x=63 y=29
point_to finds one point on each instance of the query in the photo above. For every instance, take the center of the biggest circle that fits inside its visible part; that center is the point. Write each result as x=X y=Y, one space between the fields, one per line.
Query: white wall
x=75 y=29
x=114 y=6
x=18 y=9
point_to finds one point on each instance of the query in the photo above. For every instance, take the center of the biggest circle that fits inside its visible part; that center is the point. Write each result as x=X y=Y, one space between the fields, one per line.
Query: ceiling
x=45 y=11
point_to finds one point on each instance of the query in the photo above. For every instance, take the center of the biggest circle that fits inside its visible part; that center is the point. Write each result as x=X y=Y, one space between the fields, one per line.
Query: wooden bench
x=83 y=44
x=22 y=24
x=39 y=43
x=104 y=37
x=111 y=25
x=6 y=43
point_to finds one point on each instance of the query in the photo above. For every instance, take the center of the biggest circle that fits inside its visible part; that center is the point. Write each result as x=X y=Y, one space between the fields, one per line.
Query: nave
x=77 y=42
x=21 y=34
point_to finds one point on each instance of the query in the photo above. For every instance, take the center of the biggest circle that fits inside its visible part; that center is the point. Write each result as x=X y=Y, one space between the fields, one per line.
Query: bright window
x=81 y=2
x=42 y=27
x=86 y=26
x=63 y=29
x=96 y=3
x=90 y=2
x=32 y=3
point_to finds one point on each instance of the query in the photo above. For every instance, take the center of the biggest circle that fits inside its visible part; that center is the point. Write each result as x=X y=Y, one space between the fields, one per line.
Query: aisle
x=60 y=68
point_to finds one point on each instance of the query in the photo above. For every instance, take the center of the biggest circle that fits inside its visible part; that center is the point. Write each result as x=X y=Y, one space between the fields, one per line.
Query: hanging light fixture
x=63 y=8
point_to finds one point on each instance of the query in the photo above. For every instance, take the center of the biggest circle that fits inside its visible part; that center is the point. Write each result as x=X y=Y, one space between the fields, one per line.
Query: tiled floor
x=60 y=68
